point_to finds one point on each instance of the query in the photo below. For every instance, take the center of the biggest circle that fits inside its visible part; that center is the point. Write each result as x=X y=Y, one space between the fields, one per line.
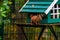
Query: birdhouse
x=50 y=8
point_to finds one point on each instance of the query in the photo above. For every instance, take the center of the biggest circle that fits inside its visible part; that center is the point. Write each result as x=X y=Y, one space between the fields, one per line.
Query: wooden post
x=21 y=34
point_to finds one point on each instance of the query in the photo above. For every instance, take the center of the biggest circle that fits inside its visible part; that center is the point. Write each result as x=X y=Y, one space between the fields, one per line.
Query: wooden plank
x=39 y=2
x=40 y=25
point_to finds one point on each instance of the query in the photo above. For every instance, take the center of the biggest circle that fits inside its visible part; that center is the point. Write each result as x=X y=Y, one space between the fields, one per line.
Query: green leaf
x=5 y=2
x=0 y=21
x=2 y=8
x=9 y=2
x=3 y=15
x=7 y=7
x=4 y=12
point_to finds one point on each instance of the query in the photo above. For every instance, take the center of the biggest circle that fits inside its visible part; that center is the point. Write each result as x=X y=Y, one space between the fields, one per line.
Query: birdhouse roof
x=38 y=6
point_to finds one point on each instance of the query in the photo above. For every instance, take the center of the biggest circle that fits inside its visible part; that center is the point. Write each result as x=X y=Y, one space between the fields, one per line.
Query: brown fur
x=35 y=19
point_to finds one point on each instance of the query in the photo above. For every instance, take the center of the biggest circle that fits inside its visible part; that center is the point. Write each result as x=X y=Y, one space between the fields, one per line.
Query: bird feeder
x=50 y=8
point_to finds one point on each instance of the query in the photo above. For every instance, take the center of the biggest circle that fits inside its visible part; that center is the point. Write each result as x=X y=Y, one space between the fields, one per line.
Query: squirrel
x=35 y=19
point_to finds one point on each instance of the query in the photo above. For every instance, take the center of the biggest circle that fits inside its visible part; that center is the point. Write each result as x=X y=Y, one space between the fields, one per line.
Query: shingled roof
x=38 y=6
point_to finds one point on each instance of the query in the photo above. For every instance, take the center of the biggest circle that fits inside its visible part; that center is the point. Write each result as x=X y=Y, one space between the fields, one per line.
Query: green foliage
x=0 y=38
x=21 y=2
x=4 y=10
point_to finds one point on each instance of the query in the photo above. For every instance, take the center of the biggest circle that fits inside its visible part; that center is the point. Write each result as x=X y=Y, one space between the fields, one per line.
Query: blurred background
x=9 y=31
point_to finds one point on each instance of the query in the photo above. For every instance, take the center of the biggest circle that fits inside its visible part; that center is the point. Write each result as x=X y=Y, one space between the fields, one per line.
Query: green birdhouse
x=50 y=8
